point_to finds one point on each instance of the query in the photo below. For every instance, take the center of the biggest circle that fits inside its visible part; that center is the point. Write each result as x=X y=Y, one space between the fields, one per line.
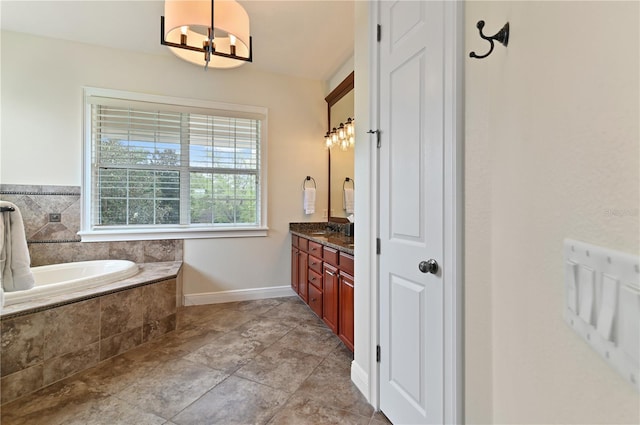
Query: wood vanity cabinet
x=294 y=263
x=330 y=287
x=345 y=326
x=299 y=267
x=323 y=278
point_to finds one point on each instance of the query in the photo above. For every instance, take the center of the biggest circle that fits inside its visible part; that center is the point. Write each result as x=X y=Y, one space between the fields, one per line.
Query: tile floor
x=254 y=362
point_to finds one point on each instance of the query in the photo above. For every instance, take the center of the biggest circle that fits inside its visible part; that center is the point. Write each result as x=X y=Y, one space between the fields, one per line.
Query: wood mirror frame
x=338 y=93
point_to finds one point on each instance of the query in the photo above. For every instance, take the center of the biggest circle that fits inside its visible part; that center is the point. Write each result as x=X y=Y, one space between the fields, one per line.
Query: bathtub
x=70 y=277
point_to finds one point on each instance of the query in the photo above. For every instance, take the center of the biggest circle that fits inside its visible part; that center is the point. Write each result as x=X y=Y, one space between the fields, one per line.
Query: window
x=159 y=167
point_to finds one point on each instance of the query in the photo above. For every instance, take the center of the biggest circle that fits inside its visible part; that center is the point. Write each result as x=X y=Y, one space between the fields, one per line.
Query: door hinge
x=378 y=243
x=379 y=35
x=377 y=354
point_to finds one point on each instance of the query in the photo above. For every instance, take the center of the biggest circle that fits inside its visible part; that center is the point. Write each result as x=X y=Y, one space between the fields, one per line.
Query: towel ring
x=348 y=179
x=309 y=178
x=7 y=209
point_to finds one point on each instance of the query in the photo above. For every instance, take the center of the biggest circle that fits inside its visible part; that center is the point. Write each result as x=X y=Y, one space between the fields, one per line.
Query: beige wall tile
x=120 y=343
x=22 y=343
x=21 y=383
x=67 y=364
x=121 y=312
x=71 y=327
x=159 y=300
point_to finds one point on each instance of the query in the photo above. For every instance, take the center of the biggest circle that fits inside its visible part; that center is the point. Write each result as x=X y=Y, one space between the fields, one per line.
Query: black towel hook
x=501 y=36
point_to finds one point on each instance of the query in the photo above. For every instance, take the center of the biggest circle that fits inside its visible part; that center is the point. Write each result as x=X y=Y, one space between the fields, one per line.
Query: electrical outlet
x=55 y=218
x=324 y=213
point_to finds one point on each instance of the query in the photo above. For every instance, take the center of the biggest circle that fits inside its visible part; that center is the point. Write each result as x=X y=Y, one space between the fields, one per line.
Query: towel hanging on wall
x=348 y=195
x=309 y=196
x=15 y=262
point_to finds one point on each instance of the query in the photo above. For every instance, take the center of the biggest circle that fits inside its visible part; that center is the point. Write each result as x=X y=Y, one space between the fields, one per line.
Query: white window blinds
x=154 y=166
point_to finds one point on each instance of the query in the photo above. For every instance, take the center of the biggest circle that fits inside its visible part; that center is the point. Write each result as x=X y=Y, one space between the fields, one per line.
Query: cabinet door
x=303 y=273
x=330 y=297
x=315 y=300
x=345 y=326
x=294 y=268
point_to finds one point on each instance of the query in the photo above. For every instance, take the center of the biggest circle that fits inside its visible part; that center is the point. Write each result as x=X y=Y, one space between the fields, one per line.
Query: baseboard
x=360 y=378
x=238 y=295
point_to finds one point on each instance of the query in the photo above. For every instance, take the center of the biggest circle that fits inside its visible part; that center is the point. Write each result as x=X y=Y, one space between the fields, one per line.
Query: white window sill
x=141 y=234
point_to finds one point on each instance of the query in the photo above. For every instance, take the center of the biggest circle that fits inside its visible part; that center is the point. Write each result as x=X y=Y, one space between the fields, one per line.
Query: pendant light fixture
x=207 y=33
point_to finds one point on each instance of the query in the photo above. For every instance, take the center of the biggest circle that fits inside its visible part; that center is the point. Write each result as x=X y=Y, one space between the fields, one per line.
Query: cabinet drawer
x=315 y=264
x=346 y=263
x=315 y=279
x=303 y=244
x=315 y=249
x=315 y=300
x=330 y=255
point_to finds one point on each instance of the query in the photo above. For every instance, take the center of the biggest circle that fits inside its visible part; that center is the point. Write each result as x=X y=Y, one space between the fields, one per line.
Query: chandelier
x=205 y=33
x=343 y=136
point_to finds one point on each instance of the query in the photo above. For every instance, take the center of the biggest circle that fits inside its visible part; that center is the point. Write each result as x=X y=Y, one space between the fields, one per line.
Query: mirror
x=340 y=106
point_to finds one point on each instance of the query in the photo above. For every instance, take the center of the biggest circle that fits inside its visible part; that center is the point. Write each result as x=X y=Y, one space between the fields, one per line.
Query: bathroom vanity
x=322 y=275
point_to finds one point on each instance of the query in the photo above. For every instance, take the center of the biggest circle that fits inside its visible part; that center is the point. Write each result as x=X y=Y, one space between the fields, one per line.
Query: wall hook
x=501 y=36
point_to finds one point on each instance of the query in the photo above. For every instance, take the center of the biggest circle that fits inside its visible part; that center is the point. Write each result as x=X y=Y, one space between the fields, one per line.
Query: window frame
x=91 y=233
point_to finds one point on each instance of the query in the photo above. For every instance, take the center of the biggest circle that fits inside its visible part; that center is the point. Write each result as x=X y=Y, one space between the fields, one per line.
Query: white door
x=413 y=314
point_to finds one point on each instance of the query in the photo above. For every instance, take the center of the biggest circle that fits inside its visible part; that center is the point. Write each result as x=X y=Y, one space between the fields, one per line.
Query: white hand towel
x=15 y=262
x=348 y=203
x=309 y=200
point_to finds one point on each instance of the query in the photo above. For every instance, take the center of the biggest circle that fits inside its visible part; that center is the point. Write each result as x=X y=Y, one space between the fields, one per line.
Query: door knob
x=430 y=266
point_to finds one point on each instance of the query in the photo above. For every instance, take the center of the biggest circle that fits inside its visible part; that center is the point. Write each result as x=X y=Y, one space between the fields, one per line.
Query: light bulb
x=183 y=35
x=341 y=132
x=327 y=139
x=334 y=135
x=349 y=127
x=352 y=140
x=232 y=44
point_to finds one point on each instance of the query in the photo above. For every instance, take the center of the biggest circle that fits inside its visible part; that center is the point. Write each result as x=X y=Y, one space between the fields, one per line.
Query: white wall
x=41 y=143
x=552 y=145
x=365 y=288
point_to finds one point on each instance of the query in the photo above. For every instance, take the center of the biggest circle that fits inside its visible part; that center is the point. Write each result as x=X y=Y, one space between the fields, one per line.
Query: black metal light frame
x=209 y=50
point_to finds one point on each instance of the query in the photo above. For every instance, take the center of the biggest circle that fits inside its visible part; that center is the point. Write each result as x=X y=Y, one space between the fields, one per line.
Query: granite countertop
x=318 y=232
x=147 y=273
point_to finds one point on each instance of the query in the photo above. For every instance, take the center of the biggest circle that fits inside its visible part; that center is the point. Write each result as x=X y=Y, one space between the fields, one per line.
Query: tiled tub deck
x=44 y=341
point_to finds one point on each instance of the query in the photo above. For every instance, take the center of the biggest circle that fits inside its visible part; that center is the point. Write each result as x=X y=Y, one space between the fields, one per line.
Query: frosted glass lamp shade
x=230 y=19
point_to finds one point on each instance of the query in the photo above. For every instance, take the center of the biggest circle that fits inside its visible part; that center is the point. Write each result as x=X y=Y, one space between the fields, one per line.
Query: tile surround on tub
x=58 y=242
x=44 y=344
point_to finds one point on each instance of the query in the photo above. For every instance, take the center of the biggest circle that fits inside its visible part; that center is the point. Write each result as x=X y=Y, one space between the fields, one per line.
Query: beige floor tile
x=228 y=352
x=171 y=387
x=287 y=367
x=310 y=339
x=234 y=401
x=114 y=411
x=53 y=405
x=280 y=367
x=303 y=411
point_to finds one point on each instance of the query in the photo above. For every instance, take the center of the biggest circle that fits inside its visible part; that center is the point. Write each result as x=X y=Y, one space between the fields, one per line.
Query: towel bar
x=7 y=209
x=308 y=178
x=348 y=179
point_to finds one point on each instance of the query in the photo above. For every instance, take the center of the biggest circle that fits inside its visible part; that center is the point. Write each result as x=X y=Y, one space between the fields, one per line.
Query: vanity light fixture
x=209 y=34
x=343 y=136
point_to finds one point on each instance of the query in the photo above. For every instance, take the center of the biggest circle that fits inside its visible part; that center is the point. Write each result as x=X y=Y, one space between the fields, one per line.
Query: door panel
x=411 y=211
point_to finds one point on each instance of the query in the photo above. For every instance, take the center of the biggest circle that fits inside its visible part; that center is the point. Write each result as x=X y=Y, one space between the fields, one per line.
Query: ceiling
x=302 y=38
